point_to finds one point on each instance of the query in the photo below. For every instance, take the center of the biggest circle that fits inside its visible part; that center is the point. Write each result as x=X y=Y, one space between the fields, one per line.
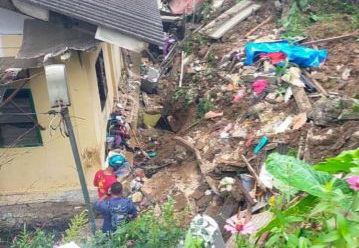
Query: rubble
x=257 y=94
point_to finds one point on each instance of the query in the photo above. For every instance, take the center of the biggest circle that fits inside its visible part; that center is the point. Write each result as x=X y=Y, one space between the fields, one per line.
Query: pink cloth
x=259 y=86
x=239 y=95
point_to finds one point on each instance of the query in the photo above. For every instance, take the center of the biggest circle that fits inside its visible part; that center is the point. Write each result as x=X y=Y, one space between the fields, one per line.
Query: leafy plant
x=148 y=230
x=203 y=107
x=192 y=241
x=300 y=175
x=38 y=239
x=327 y=217
x=341 y=163
x=356 y=108
x=76 y=224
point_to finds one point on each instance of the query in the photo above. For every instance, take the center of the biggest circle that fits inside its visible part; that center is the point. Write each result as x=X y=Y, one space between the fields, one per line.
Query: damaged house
x=89 y=38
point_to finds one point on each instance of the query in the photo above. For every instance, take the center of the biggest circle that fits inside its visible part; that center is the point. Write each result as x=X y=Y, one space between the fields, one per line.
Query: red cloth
x=103 y=182
x=275 y=57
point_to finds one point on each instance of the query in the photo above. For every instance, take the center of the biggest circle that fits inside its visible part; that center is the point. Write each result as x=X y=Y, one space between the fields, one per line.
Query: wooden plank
x=301 y=99
x=316 y=84
x=219 y=31
x=226 y=15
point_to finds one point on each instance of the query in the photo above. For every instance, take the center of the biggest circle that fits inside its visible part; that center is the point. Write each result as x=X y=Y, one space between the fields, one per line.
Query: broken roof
x=11 y=62
x=46 y=39
x=136 y=18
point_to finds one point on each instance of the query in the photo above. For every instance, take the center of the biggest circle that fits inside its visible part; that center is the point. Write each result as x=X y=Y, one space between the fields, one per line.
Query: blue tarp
x=302 y=56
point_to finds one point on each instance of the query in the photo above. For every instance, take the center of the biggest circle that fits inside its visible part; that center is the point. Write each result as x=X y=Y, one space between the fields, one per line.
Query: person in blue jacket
x=116 y=209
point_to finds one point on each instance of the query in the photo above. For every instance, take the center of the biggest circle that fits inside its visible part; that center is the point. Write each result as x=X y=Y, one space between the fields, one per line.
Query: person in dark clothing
x=116 y=210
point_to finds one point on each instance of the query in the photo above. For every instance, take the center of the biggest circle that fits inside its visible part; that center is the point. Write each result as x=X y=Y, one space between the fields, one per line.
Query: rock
x=348 y=114
x=325 y=111
x=240 y=133
x=173 y=123
x=356 y=134
x=256 y=109
x=320 y=76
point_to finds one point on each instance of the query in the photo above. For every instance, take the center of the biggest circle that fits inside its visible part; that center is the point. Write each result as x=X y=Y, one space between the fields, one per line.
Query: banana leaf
x=298 y=174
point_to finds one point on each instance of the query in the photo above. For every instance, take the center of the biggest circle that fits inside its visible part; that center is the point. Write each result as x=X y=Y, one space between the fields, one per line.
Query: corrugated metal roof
x=44 y=38
x=136 y=18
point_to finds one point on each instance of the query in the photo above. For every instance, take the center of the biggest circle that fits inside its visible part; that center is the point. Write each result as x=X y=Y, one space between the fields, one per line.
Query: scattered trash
x=259 y=86
x=207 y=229
x=212 y=114
x=239 y=95
x=152 y=154
x=346 y=73
x=266 y=177
x=137 y=197
x=284 y=126
x=299 y=121
x=293 y=76
x=226 y=184
x=263 y=141
x=247 y=181
x=208 y=192
x=302 y=56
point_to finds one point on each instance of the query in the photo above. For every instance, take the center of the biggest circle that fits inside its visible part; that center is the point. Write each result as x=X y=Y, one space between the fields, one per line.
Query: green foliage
x=188 y=94
x=296 y=208
x=76 y=224
x=356 y=108
x=192 y=241
x=299 y=174
x=195 y=39
x=203 y=107
x=292 y=153
x=38 y=239
x=327 y=217
x=341 y=163
x=326 y=10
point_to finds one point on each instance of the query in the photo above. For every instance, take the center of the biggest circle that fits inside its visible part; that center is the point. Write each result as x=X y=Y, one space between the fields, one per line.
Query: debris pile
x=239 y=94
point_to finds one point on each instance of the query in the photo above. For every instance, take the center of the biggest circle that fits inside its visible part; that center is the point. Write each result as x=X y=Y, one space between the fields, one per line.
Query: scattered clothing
x=259 y=86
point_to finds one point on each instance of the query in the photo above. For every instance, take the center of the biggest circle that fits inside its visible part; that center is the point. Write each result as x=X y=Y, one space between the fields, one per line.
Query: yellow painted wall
x=41 y=172
x=9 y=45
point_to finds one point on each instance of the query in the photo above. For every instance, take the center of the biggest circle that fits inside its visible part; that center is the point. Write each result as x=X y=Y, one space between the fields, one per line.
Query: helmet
x=116 y=161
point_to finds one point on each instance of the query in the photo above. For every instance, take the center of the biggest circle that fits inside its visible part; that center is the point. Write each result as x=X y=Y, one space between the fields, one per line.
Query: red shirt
x=103 y=182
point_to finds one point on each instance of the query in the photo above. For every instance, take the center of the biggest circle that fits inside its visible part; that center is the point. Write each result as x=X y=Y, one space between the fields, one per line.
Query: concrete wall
x=9 y=45
x=48 y=172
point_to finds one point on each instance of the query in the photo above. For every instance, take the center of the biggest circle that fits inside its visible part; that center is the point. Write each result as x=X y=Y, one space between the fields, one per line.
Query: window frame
x=39 y=141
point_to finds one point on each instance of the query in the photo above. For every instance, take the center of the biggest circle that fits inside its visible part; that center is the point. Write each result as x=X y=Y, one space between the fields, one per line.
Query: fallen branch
x=258 y=27
x=316 y=83
x=182 y=69
x=253 y=172
x=330 y=39
x=246 y=194
x=201 y=163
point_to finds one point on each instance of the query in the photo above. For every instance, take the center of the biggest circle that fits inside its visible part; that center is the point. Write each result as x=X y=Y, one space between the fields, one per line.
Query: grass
x=203 y=107
x=356 y=108
x=326 y=11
